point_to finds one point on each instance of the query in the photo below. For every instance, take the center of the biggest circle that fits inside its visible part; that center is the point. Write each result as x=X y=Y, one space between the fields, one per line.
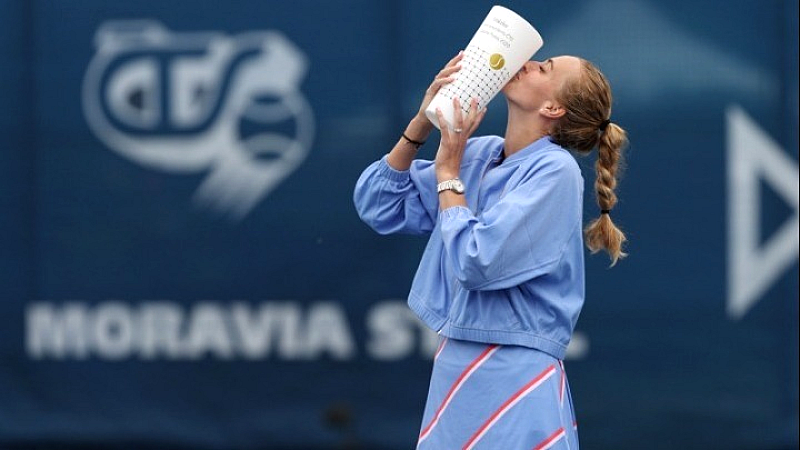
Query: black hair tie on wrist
x=604 y=124
x=416 y=144
x=605 y=211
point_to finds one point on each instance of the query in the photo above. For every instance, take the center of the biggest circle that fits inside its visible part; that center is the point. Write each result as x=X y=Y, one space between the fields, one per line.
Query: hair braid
x=587 y=100
x=602 y=233
x=606 y=169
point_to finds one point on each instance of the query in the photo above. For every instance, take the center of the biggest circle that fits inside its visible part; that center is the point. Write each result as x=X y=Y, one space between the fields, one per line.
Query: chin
x=508 y=87
x=510 y=91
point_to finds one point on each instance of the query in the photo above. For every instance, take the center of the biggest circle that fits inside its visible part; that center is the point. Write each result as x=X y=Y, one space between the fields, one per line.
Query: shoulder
x=550 y=166
x=554 y=158
x=557 y=155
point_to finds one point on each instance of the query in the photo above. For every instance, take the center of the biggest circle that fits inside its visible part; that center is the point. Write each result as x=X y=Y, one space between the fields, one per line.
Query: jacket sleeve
x=520 y=237
x=394 y=201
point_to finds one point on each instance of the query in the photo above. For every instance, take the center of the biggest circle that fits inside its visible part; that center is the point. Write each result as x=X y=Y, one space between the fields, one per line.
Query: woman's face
x=539 y=82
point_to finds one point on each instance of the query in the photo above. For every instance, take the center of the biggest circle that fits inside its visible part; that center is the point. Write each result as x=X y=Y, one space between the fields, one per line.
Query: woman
x=502 y=276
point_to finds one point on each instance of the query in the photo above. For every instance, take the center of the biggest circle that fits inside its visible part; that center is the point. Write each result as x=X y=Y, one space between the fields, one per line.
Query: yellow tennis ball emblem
x=496 y=61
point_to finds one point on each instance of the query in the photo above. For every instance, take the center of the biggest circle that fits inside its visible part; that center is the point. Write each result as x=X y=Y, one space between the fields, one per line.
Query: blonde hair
x=587 y=100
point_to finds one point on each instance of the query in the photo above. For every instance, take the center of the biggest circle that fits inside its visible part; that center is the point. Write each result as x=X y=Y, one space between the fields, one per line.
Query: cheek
x=535 y=92
x=529 y=92
x=541 y=88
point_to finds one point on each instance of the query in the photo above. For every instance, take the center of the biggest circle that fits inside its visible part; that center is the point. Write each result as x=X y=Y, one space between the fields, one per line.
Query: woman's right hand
x=420 y=126
x=444 y=76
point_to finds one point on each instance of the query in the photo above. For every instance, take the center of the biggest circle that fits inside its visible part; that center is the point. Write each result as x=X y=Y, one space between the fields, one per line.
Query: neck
x=524 y=127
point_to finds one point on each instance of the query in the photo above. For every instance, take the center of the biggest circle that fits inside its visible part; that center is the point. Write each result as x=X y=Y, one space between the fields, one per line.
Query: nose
x=533 y=65
x=527 y=66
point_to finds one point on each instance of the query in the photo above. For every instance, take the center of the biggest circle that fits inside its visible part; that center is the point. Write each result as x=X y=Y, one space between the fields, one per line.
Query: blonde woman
x=502 y=276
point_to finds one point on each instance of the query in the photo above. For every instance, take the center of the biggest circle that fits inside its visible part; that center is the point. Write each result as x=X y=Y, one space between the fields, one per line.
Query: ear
x=552 y=110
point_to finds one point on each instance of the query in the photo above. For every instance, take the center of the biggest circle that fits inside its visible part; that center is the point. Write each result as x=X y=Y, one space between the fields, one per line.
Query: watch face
x=454 y=185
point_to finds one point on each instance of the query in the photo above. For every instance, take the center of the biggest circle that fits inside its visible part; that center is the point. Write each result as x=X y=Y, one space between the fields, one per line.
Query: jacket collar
x=527 y=151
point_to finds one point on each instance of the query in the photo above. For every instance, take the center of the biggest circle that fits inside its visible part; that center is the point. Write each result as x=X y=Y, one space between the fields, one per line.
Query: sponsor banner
x=183 y=267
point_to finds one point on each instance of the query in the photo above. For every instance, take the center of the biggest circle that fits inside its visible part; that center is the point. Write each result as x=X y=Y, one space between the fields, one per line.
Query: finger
x=458 y=118
x=445 y=80
x=443 y=126
x=447 y=71
x=474 y=126
x=455 y=59
x=473 y=112
x=437 y=84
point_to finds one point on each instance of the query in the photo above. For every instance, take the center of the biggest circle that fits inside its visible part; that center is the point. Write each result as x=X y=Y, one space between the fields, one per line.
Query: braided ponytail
x=601 y=233
x=587 y=101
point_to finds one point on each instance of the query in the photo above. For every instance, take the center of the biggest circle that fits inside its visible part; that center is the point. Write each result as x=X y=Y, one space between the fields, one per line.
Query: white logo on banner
x=754 y=156
x=197 y=102
x=281 y=330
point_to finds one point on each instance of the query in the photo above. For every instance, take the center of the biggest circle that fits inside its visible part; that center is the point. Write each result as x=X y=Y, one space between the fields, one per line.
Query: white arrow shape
x=754 y=155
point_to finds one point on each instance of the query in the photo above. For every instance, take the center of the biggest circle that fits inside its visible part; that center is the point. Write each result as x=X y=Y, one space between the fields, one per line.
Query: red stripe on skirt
x=439 y=350
x=486 y=425
x=550 y=439
x=456 y=385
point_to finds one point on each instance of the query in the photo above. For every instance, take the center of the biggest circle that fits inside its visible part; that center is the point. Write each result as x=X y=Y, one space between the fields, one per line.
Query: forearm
x=404 y=152
x=449 y=199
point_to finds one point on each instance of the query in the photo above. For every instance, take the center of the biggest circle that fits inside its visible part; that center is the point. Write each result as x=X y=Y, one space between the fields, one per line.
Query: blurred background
x=182 y=266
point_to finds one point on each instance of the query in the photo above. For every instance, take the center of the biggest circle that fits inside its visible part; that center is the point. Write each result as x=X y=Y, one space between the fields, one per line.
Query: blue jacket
x=507 y=269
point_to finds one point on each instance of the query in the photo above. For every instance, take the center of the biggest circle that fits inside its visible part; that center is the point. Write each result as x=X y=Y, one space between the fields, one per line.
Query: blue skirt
x=487 y=396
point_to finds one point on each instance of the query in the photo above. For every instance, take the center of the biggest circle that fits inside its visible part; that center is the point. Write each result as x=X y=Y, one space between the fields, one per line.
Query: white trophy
x=497 y=51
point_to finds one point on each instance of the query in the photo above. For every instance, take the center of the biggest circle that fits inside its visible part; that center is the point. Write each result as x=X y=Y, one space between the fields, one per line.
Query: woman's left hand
x=451 y=146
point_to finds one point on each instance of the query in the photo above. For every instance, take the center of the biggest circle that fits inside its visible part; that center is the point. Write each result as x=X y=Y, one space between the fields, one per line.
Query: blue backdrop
x=182 y=265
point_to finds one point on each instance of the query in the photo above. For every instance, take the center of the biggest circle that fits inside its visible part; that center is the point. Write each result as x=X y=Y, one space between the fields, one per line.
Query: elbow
x=362 y=207
x=374 y=221
x=372 y=207
x=382 y=218
x=474 y=265
x=368 y=209
x=491 y=278
x=469 y=284
x=473 y=275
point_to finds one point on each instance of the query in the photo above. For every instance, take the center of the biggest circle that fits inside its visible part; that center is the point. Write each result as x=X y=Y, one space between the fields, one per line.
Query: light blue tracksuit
x=504 y=273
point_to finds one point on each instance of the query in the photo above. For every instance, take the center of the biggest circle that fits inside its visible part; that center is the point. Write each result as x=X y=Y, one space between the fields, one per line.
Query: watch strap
x=448 y=185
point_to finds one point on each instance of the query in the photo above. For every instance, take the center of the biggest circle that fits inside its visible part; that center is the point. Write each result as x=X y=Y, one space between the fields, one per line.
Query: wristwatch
x=454 y=185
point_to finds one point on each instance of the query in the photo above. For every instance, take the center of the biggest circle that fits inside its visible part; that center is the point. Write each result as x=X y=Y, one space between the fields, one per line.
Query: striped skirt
x=484 y=396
